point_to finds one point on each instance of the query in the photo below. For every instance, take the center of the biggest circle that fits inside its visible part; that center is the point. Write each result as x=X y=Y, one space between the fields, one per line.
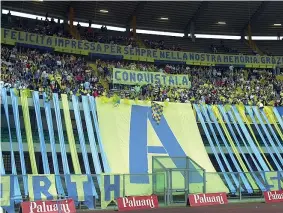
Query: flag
x=157 y=111
x=27 y=92
x=48 y=94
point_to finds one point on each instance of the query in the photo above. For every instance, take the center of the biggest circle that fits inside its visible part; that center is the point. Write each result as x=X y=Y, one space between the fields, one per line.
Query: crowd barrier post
x=124 y=185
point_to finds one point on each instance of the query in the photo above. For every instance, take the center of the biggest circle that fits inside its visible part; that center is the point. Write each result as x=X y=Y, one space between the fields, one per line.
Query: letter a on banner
x=139 y=149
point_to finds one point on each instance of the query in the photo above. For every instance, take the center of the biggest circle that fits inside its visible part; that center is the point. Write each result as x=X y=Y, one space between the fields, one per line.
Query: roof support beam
x=254 y=18
x=136 y=11
x=203 y=5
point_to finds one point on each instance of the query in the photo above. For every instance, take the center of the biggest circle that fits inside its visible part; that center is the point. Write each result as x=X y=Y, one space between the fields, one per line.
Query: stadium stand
x=67 y=119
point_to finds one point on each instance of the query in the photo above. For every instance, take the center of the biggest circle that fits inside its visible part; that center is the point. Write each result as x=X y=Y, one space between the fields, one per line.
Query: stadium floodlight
x=103 y=11
x=277 y=25
x=163 y=18
x=151 y=32
x=263 y=38
x=221 y=22
x=209 y=36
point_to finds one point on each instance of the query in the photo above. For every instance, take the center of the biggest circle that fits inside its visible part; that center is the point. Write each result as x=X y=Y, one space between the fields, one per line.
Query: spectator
x=71 y=75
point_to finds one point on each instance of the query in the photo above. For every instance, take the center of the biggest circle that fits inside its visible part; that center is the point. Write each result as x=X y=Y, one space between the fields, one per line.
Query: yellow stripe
x=270 y=116
x=25 y=109
x=70 y=134
x=245 y=169
x=242 y=113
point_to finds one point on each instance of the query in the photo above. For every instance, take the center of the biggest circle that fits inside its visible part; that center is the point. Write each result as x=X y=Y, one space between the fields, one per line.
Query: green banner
x=132 y=77
x=83 y=47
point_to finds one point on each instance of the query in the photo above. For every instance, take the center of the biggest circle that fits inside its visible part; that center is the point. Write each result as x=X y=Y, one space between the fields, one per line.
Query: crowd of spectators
x=31 y=69
x=152 y=44
x=222 y=49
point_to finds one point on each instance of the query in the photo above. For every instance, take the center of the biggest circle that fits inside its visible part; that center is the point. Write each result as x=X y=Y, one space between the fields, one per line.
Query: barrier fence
x=163 y=184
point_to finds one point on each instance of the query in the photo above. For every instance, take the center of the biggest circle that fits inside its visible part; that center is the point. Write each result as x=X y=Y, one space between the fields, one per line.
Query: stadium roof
x=210 y=17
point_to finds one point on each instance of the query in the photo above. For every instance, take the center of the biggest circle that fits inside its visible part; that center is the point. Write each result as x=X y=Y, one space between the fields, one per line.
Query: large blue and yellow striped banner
x=131 y=137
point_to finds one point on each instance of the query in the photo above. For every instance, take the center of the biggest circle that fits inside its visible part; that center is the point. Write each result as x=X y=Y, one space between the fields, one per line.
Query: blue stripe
x=279 y=110
x=259 y=183
x=49 y=120
x=156 y=150
x=40 y=132
x=268 y=136
x=18 y=196
x=277 y=115
x=250 y=140
x=19 y=138
x=230 y=152
x=227 y=179
x=138 y=145
x=82 y=140
x=91 y=138
x=271 y=130
x=80 y=133
x=60 y=133
x=239 y=146
x=244 y=141
x=263 y=138
x=204 y=110
x=102 y=152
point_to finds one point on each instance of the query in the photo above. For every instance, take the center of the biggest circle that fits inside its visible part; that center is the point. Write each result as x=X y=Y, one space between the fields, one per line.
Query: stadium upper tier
x=143 y=40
